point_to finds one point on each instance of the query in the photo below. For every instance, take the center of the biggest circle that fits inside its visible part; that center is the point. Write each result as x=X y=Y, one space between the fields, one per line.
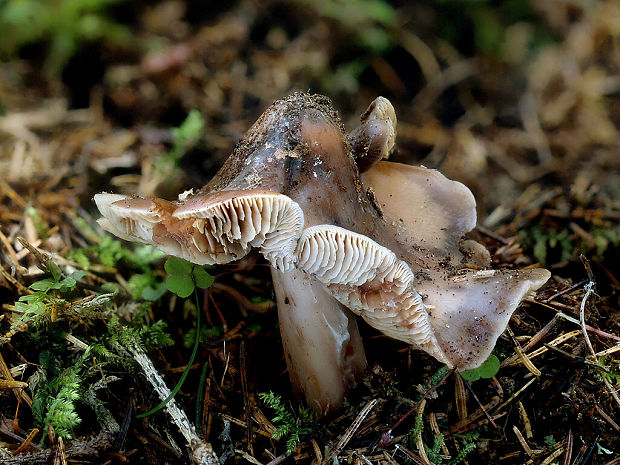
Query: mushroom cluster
x=346 y=234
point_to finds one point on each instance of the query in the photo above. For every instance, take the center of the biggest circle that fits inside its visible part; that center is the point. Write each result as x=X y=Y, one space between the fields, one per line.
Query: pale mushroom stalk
x=388 y=244
x=324 y=352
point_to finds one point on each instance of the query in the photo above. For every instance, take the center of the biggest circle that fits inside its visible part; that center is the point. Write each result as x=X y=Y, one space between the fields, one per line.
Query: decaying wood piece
x=201 y=452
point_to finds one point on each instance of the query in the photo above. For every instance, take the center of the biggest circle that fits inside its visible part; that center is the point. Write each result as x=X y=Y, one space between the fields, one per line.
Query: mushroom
x=345 y=233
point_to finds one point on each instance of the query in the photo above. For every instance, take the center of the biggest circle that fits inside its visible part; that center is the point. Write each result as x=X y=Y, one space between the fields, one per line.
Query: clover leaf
x=487 y=370
x=177 y=266
x=202 y=279
x=184 y=276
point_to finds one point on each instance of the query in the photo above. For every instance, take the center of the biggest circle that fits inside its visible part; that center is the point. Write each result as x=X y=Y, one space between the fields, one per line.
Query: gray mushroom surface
x=387 y=245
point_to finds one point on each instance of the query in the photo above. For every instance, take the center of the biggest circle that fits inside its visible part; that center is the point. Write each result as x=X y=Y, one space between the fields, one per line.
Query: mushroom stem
x=323 y=365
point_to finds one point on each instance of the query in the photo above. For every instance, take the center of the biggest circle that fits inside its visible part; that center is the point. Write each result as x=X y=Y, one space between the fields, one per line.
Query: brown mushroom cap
x=425 y=206
x=130 y=218
x=457 y=321
x=468 y=311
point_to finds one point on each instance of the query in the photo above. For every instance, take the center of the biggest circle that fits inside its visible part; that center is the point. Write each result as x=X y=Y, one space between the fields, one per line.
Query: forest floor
x=150 y=98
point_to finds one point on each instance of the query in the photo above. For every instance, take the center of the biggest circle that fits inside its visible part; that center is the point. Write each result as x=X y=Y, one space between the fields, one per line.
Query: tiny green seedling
x=184 y=137
x=288 y=425
x=487 y=370
x=184 y=277
x=37 y=303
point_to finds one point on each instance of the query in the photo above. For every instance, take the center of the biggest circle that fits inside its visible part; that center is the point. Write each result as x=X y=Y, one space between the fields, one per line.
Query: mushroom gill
x=387 y=245
x=209 y=230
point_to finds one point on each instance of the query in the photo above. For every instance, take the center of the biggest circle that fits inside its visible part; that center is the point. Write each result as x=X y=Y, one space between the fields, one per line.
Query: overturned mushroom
x=386 y=244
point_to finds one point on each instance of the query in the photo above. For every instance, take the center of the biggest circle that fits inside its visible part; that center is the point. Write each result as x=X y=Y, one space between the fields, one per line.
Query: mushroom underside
x=454 y=315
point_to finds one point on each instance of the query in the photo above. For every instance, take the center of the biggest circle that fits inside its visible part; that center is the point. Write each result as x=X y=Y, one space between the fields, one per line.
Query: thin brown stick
x=61 y=451
x=387 y=436
x=532 y=342
x=410 y=455
x=246 y=397
x=6 y=373
x=554 y=455
x=573 y=320
x=348 y=434
x=589 y=290
x=522 y=355
x=9 y=249
x=26 y=442
x=528 y=450
x=569 y=448
x=23 y=289
x=607 y=418
x=480 y=404
x=514 y=396
x=565 y=291
x=10 y=384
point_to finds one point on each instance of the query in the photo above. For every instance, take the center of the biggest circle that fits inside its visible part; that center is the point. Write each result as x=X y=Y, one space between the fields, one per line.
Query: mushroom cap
x=374 y=139
x=432 y=212
x=459 y=317
x=209 y=229
x=130 y=218
x=467 y=309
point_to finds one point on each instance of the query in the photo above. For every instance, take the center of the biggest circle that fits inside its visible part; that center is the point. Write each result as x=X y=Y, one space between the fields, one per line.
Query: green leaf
x=36 y=297
x=470 y=375
x=34 y=308
x=79 y=256
x=490 y=367
x=487 y=370
x=66 y=284
x=43 y=285
x=178 y=267
x=144 y=255
x=77 y=275
x=41 y=227
x=140 y=281
x=190 y=130
x=53 y=269
x=151 y=293
x=202 y=278
x=182 y=286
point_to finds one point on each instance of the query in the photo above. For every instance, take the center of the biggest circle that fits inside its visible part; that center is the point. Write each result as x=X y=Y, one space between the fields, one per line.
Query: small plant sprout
x=487 y=370
x=288 y=425
x=46 y=300
x=184 y=278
